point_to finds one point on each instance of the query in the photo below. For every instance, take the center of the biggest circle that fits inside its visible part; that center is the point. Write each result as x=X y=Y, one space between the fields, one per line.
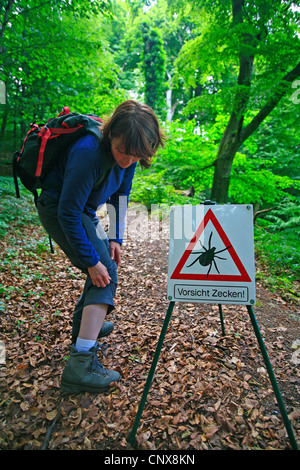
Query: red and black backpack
x=44 y=144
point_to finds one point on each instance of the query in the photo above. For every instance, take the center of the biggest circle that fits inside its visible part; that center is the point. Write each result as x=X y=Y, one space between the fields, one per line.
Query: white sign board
x=211 y=254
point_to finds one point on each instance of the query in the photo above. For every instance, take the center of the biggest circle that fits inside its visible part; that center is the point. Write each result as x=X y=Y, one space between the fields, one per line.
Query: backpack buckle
x=43 y=130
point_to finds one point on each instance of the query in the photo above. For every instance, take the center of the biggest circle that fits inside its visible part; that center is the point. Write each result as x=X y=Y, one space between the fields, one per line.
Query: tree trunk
x=229 y=145
x=234 y=134
x=223 y=165
x=4 y=122
x=231 y=139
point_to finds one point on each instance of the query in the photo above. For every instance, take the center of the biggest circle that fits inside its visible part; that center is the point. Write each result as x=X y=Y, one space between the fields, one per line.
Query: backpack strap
x=47 y=133
x=45 y=138
x=33 y=127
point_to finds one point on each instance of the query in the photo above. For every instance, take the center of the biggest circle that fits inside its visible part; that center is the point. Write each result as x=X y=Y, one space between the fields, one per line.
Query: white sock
x=84 y=344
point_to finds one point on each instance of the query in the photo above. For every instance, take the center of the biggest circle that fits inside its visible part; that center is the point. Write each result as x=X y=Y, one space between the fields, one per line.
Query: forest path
x=209 y=391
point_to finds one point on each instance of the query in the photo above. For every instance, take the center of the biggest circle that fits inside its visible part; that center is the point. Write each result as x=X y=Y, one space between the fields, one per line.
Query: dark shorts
x=47 y=209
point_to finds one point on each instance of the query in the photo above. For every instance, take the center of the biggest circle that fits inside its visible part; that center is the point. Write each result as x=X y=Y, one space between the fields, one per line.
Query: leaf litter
x=209 y=392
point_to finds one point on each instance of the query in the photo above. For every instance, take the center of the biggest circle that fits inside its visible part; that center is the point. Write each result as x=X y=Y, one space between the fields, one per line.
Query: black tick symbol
x=207 y=257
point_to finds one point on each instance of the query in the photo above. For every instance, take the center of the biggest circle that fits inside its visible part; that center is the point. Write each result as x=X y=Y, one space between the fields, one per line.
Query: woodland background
x=224 y=78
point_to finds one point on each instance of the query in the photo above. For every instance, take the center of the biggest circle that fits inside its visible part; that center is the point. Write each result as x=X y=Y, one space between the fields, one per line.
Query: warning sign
x=211 y=254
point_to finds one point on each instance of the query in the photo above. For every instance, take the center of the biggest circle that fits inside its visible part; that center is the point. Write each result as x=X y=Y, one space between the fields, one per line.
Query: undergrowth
x=277 y=245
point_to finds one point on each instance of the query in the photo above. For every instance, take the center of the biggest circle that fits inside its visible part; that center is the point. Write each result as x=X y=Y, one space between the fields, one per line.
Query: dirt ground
x=210 y=391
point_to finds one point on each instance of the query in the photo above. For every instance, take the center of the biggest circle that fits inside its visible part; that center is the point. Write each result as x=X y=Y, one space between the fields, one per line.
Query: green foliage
x=278 y=256
x=93 y=55
x=150 y=188
x=275 y=145
x=278 y=242
x=239 y=41
x=154 y=68
x=53 y=56
x=268 y=30
x=186 y=156
x=268 y=167
x=249 y=185
x=15 y=212
x=188 y=160
x=285 y=217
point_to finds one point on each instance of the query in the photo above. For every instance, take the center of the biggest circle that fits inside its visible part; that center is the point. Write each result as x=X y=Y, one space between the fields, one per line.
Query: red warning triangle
x=242 y=277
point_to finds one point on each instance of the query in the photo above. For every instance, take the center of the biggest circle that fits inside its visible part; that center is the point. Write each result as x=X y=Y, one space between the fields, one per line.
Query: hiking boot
x=83 y=373
x=106 y=329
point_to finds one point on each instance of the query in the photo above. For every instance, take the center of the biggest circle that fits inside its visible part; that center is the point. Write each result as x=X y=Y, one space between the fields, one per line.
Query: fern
x=286 y=216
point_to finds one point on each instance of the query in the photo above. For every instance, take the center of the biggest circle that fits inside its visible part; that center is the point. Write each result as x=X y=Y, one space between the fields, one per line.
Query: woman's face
x=117 y=149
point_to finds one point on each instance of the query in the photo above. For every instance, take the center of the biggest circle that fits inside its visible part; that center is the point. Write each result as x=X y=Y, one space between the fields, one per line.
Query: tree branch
x=5 y=19
x=266 y=110
x=258 y=213
x=208 y=166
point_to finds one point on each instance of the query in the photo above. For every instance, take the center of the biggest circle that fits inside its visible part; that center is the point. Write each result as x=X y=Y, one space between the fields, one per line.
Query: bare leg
x=92 y=321
x=83 y=372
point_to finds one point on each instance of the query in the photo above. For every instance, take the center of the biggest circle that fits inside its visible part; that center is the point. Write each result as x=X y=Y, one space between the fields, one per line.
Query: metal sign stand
x=151 y=373
x=263 y=351
x=284 y=415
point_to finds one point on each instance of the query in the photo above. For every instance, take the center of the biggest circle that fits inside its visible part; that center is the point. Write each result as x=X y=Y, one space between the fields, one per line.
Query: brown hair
x=138 y=126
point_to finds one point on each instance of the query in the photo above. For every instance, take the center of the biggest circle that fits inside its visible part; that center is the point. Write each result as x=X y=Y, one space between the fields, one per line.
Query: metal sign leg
x=273 y=379
x=286 y=421
x=222 y=319
x=151 y=373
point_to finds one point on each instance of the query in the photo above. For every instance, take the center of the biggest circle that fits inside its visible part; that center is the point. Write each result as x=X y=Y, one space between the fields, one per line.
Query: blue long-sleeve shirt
x=71 y=182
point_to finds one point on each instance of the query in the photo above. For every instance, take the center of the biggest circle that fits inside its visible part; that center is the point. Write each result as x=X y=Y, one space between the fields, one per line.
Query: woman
x=67 y=210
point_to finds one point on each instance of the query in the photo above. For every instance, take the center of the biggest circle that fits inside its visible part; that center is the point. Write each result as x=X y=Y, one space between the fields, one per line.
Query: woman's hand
x=115 y=252
x=99 y=275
